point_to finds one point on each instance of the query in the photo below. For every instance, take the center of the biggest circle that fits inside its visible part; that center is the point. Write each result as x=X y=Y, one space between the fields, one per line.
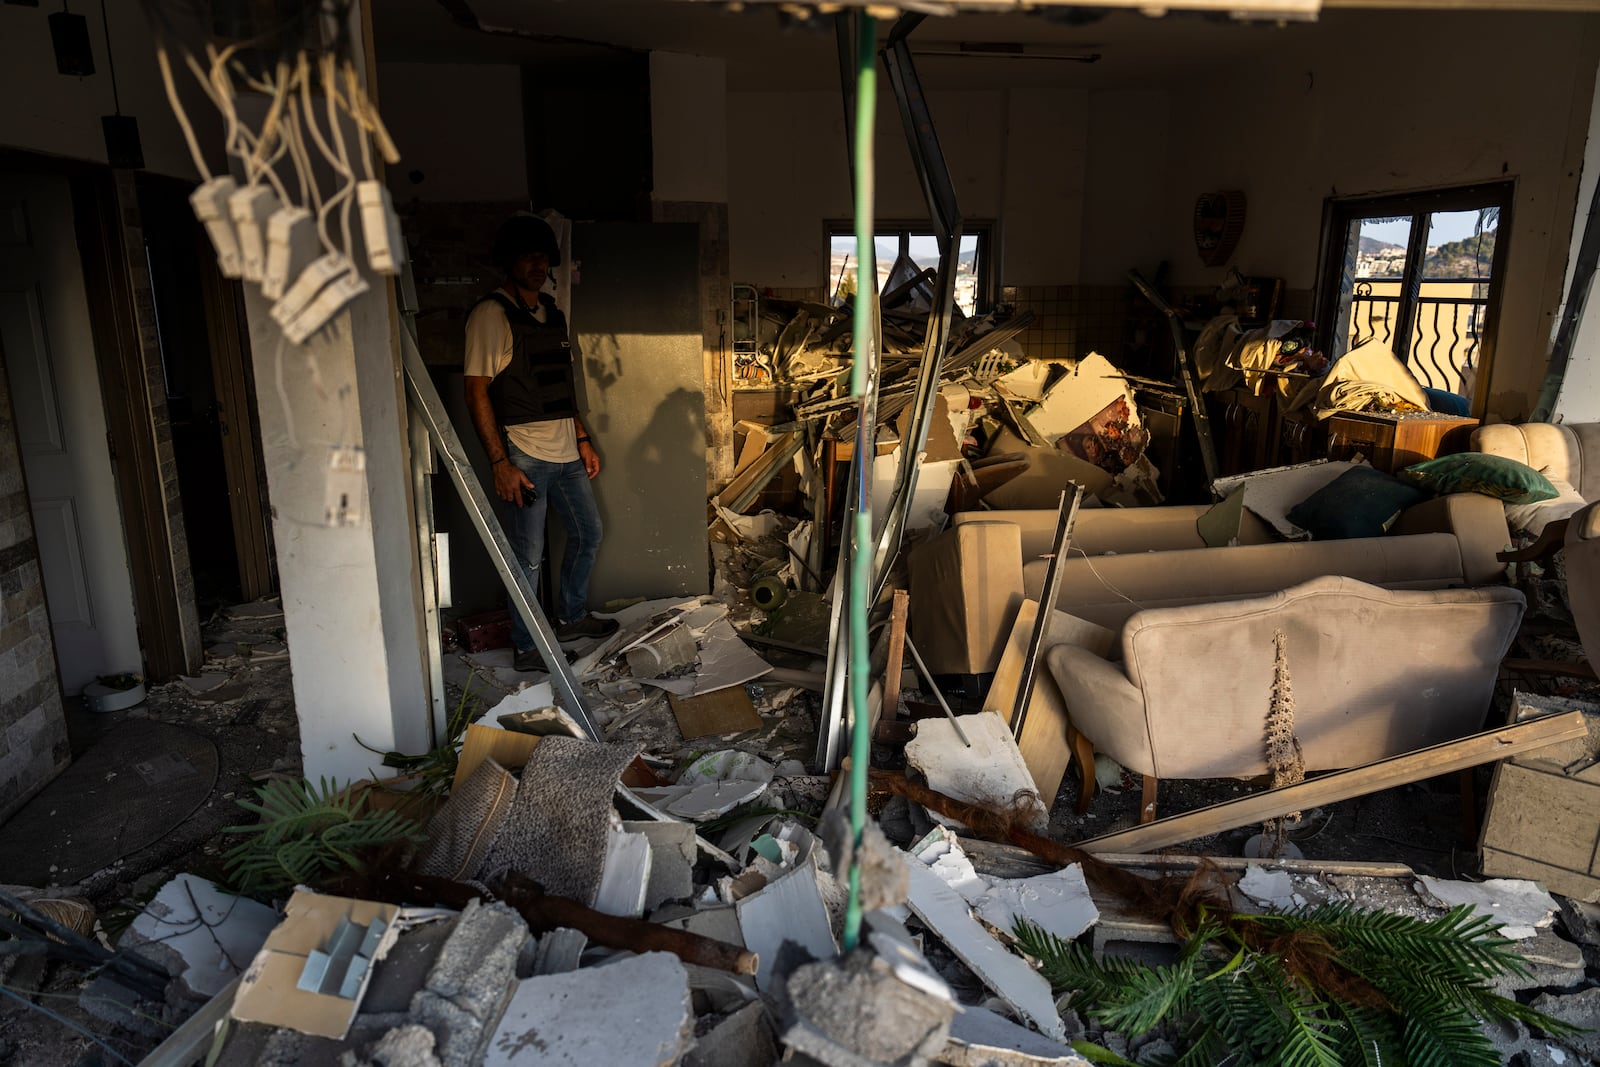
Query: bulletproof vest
x=538 y=384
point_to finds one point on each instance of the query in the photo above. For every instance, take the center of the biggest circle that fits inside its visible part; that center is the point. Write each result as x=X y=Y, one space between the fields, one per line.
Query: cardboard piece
x=510 y=750
x=269 y=991
x=1044 y=742
x=726 y=711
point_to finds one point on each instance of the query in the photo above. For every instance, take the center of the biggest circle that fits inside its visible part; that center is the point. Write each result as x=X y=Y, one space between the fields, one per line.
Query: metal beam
x=448 y=445
x=1191 y=384
x=1066 y=517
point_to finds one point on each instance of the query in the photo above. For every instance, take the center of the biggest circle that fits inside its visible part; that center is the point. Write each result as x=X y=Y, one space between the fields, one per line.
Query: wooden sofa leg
x=1083 y=752
x=1147 y=802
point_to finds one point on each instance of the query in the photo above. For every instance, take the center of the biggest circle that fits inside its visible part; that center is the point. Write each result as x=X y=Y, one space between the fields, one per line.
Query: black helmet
x=521 y=234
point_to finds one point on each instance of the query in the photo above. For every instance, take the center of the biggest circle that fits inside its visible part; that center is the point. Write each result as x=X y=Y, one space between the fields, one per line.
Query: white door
x=61 y=423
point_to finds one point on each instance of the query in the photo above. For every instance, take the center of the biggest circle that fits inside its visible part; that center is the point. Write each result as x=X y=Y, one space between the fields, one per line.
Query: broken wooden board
x=725 y=711
x=1542 y=821
x=1045 y=732
x=740 y=493
x=1343 y=785
x=507 y=748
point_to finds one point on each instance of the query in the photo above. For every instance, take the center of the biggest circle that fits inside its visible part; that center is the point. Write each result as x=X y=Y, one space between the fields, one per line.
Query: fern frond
x=1459 y=937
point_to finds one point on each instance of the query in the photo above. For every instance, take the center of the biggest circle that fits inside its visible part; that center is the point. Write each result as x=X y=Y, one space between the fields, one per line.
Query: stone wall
x=33 y=725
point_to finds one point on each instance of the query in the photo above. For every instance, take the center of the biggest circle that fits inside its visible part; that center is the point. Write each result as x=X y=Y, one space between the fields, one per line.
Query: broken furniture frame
x=448 y=444
x=1461 y=754
x=939 y=191
x=1066 y=518
x=1191 y=385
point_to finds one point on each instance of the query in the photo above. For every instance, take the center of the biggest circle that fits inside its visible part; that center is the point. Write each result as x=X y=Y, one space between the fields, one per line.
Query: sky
x=1447 y=226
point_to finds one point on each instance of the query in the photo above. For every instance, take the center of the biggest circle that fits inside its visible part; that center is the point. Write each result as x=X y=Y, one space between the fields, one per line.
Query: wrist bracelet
x=502 y=459
x=581 y=440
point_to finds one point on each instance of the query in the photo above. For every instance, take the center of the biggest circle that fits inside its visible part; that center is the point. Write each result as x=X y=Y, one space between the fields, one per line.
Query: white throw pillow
x=1533 y=518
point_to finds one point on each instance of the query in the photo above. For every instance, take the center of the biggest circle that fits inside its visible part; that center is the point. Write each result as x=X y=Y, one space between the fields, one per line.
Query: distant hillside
x=1371 y=246
x=1469 y=257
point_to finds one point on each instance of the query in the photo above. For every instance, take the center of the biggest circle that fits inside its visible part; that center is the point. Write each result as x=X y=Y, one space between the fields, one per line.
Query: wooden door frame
x=232 y=382
x=125 y=395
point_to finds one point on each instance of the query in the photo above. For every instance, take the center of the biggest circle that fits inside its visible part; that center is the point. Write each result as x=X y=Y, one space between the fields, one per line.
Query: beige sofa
x=966 y=583
x=1375 y=673
x=1569 y=451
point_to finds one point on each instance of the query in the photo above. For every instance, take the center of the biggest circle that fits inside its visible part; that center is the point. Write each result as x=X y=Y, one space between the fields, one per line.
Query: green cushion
x=1478 y=472
x=1361 y=502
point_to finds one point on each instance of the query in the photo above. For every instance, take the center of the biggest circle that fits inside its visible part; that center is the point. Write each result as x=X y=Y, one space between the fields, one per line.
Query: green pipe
x=861 y=570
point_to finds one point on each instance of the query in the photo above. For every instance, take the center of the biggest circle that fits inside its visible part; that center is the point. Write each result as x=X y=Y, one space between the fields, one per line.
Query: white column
x=351 y=594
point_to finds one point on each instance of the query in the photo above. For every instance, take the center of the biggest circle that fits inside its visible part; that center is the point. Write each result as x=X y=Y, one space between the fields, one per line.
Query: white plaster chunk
x=725 y=661
x=216 y=943
x=625 y=878
x=983 y=1038
x=943 y=854
x=635 y=1012
x=1275 y=889
x=943 y=911
x=1520 y=906
x=991 y=772
x=1058 y=903
x=1079 y=396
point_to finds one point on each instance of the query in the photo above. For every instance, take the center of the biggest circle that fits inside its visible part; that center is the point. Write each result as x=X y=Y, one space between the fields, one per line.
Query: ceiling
x=765 y=49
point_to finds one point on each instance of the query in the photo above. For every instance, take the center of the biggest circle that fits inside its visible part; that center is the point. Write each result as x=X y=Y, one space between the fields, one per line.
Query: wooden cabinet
x=1393 y=441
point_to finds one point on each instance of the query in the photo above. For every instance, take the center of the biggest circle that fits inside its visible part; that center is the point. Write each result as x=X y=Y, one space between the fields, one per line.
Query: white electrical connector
x=210 y=203
x=380 y=225
x=318 y=273
x=251 y=208
x=291 y=246
x=345 y=489
x=328 y=303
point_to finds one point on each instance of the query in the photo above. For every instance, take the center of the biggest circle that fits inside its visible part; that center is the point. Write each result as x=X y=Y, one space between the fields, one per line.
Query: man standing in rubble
x=522 y=393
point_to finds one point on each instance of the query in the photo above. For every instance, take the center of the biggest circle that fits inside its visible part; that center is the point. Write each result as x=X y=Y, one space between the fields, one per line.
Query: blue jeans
x=567 y=486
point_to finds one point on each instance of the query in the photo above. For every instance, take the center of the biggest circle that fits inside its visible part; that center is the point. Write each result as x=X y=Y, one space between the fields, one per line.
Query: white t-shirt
x=488 y=352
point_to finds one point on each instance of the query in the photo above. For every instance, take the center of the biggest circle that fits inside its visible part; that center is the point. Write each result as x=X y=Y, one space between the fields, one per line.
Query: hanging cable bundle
x=292 y=105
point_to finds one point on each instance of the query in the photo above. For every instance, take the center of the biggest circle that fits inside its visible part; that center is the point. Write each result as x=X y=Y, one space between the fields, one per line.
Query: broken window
x=903 y=251
x=1420 y=273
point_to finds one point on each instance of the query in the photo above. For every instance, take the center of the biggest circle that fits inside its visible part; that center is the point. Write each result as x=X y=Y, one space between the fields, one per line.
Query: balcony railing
x=1443 y=352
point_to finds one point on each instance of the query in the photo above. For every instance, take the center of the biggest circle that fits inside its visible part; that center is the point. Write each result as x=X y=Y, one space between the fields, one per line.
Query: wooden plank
x=724 y=711
x=1572 y=884
x=507 y=748
x=999 y=860
x=897 y=652
x=1045 y=741
x=1343 y=785
x=740 y=493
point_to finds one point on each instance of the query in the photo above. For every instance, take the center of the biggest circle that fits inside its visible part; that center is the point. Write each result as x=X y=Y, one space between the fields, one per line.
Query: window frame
x=987 y=292
x=1340 y=212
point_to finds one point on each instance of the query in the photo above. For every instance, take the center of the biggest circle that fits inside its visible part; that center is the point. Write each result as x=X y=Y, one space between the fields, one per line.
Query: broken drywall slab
x=724 y=660
x=943 y=911
x=746 y=1038
x=666 y=653
x=712 y=785
x=855 y=1011
x=926 y=510
x=983 y=1038
x=942 y=852
x=672 y=855
x=1080 y=395
x=216 y=933
x=991 y=772
x=528 y=698
x=1519 y=906
x=1270 y=494
x=1275 y=889
x=1057 y=903
x=788 y=908
x=625 y=876
x=471 y=981
x=632 y=1013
